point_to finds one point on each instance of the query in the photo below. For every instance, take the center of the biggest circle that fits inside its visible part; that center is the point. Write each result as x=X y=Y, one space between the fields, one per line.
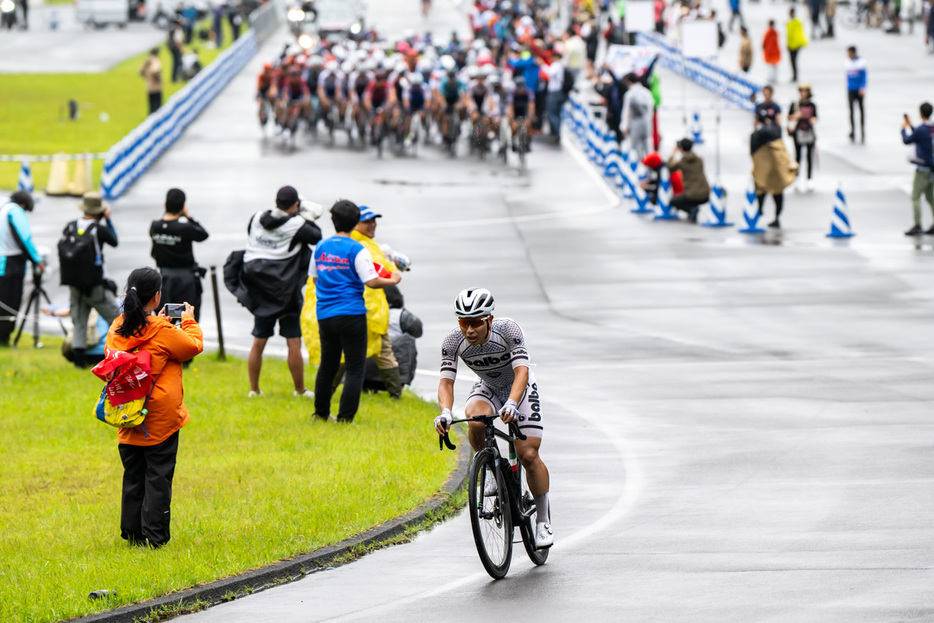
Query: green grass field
x=33 y=111
x=257 y=481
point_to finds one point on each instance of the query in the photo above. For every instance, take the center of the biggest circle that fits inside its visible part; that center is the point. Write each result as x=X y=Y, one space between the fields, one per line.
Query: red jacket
x=169 y=346
x=771 y=48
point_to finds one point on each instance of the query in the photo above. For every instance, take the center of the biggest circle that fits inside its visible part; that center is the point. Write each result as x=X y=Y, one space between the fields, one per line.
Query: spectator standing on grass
x=101 y=296
x=172 y=236
x=802 y=117
x=696 y=188
x=176 y=43
x=379 y=346
x=151 y=71
x=235 y=17
x=745 y=50
x=267 y=279
x=856 y=76
x=342 y=267
x=921 y=137
x=772 y=168
x=16 y=248
x=771 y=52
x=148 y=451
x=189 y=18
x=796 y=40
x=220 y=10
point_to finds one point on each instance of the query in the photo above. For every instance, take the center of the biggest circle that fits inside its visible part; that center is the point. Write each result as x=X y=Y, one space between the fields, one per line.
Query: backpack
x=79 y=259
x=567 y=84
x=124 y=400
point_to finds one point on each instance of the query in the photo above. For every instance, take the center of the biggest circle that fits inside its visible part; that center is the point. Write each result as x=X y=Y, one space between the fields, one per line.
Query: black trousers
x=855 y=98
x=808 y=153
x=779 y=203
x=341 y=334
x=147 y=491
x=793 y=57
x=155 y=101
x=182 y=285
x=11 y=295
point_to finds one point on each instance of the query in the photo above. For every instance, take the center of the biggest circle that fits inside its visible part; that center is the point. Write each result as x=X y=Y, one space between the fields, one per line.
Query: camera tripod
x=33 y=304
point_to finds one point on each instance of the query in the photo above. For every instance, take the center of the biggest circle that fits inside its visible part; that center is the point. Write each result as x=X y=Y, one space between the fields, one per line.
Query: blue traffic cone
x=718 y=207
x=840 y=220
x=663 y=209
x=751 y=213
x=697 y=130
x=25 y=178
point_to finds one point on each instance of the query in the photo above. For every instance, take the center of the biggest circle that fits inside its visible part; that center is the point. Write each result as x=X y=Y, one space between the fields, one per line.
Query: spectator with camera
x=81 y=258
x=149 y=451
x=341 y=269
x=268 y=277
x=16 y=248
x=172 y=237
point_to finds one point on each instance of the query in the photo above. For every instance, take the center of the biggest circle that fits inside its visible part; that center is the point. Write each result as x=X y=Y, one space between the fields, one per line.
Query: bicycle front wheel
x=489 y=515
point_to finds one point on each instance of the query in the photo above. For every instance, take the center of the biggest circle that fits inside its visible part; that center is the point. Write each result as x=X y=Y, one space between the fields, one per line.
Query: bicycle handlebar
x=445 y=440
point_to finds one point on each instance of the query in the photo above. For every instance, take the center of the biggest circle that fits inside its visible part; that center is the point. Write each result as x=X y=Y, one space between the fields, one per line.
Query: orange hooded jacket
x=169 y=346
x=771 y=49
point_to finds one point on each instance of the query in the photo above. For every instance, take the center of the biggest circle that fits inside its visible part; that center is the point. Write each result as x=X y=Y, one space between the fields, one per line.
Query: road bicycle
x=499 y=499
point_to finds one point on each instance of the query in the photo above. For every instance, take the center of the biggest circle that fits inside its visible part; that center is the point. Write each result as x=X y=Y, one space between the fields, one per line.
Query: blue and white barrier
x=131 y=156
x=840 y=220
x=731 y=86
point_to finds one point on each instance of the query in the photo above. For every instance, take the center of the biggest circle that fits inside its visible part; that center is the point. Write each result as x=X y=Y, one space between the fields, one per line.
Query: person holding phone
x=921 y=137
x=149 y=451
x=802 y=117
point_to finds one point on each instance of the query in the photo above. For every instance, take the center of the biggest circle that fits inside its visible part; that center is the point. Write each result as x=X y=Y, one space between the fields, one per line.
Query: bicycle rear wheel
x=527 y=526
x=490 y=517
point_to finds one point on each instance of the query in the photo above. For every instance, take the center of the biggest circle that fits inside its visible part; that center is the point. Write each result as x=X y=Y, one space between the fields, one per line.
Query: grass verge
x=33 y=117
x=257 y=481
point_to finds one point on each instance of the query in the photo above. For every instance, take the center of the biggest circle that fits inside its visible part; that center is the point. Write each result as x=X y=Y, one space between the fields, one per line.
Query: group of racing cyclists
x=414 y=91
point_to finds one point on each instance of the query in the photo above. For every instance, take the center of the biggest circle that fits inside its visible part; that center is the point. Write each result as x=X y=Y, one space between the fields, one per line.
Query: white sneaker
x=810 y=186
x=253 y=394
x=544 y=537
x=305 y=394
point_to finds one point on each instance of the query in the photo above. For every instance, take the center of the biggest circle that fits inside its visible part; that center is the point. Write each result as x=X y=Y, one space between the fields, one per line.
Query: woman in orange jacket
x=148 y=451
x=771 y=51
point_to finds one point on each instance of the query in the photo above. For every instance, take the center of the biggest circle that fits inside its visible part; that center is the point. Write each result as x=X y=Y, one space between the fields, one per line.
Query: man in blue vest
x=341 y=268
x=16 y=248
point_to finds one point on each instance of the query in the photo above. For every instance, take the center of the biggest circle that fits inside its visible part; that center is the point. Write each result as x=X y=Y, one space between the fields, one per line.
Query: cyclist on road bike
x=329 y=88
x=415 y=99
x=451 y=93
x=495 y=350
x=266 y=92
x=295 y=98
x=521 y=108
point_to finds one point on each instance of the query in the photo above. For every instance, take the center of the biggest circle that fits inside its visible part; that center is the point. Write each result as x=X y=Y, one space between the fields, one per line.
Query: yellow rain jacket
x=796 y=37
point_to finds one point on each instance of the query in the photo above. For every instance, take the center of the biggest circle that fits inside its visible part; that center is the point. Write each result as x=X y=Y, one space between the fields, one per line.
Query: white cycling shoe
x=544 y=537
x=489 y=487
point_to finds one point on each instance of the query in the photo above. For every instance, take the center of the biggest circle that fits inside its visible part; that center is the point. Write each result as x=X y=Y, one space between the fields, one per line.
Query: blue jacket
x=15 y=235
x=529 y=69
x=855 y=74
x=923 y=138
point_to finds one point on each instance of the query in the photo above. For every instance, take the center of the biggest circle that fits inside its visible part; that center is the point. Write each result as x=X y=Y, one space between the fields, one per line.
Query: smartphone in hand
x=174 y=311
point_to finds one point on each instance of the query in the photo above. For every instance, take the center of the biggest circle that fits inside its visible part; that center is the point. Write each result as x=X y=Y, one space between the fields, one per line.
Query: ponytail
x=141 y=286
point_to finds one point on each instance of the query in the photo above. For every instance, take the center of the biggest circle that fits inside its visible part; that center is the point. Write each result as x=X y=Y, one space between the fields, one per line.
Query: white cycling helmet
x=332 y=65
x=347 y=67
x=448 y=63
x=474 y=303
x=416 y=78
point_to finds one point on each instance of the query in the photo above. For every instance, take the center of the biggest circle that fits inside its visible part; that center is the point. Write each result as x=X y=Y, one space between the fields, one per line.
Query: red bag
x=127 y=374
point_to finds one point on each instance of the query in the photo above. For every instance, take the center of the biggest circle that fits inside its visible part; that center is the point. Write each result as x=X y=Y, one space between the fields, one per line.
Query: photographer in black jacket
x=171 y=248
x=268 y=278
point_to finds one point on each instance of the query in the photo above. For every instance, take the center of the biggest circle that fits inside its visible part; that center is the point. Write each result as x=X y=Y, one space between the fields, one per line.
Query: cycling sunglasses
x=476 y=323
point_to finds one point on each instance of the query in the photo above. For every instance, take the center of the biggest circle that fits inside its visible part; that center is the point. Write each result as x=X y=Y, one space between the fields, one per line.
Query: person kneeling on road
x=496 y=352
x=696 y=188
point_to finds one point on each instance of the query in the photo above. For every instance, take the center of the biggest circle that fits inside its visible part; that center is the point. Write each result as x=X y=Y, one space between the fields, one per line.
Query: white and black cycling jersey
x=493 y=361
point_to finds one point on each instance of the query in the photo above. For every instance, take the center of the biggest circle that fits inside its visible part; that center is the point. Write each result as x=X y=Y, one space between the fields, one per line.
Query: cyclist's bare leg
x=535 y=470
x=476 y=431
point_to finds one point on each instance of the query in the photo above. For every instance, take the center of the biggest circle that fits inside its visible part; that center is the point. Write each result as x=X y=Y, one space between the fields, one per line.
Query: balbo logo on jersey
x=489 y=360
